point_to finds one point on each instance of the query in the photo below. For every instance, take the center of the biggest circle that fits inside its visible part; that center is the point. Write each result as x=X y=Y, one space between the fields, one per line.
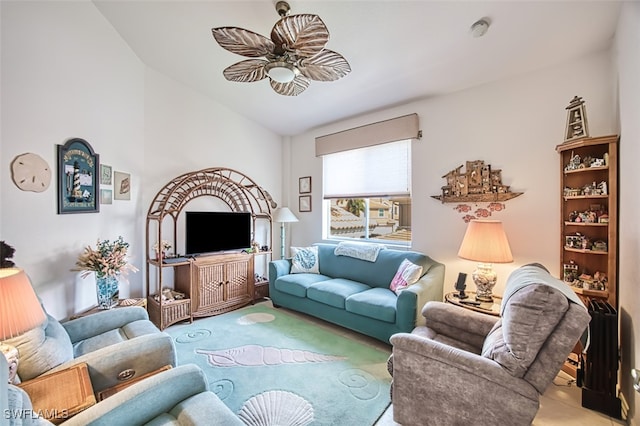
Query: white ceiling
x=398 y=50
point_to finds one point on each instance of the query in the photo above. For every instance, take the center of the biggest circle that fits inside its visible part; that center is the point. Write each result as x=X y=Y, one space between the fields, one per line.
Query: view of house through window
x=384 y=219
x=367 y=193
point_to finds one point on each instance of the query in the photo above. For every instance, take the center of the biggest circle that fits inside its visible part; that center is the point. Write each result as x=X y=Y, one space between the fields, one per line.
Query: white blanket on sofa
x=364 y=251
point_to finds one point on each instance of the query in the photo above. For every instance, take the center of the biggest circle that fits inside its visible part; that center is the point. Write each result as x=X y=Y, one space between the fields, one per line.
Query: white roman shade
x=395 y=129
x=375 y=171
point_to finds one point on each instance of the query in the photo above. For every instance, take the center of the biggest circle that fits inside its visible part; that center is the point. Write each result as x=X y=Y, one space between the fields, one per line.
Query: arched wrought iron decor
x=235 y=189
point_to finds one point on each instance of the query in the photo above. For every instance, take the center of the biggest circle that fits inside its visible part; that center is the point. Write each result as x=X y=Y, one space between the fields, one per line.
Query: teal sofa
x=355 y=293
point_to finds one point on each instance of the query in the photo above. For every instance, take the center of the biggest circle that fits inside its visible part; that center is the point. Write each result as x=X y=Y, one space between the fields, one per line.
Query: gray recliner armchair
x=466 y=367
x=110 y=342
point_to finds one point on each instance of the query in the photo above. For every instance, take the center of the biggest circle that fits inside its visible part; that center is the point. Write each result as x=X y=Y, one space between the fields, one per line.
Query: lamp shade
x=20 y=309
x=485 y=241
x=283 y=214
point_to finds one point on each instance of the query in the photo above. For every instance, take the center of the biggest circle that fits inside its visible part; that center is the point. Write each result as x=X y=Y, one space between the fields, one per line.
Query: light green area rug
x=273 y=368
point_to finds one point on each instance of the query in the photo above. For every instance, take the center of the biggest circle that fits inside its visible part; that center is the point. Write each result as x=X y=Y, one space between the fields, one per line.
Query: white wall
x=515 y=126
x=66 y=73
x=186 y=131
x=628 y=92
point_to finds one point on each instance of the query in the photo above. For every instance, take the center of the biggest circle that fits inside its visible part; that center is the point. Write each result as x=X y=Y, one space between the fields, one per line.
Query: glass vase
x=107 y=291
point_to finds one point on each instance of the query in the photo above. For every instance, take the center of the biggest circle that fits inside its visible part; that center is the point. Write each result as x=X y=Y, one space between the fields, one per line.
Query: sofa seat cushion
x=297 y=284
x=132 y=330
x=334 y=292
x=378 y=303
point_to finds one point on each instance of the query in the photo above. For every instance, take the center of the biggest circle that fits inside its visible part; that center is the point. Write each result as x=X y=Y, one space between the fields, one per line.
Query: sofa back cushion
x=375 y=274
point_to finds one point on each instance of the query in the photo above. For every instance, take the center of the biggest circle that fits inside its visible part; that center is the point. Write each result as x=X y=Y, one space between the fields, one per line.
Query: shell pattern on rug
x=256 y=355
x=276 y=407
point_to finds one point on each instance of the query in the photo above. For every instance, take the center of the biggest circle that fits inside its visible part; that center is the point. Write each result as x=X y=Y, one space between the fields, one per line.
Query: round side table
x=484 y=307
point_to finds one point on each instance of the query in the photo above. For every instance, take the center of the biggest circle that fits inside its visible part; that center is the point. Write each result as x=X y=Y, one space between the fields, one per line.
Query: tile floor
x=559 y=406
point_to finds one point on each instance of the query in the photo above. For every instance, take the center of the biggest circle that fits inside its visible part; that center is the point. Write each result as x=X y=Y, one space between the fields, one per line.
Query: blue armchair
x=110 y=342
x=179 y=396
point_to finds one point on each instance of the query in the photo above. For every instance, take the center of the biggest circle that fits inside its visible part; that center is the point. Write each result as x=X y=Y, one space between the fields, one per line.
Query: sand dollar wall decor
x=30 y=172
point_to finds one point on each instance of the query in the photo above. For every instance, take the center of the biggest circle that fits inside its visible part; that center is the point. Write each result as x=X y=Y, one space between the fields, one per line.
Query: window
x=367 y=193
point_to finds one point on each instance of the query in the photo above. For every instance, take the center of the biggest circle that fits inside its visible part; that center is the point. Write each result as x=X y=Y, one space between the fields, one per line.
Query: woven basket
x=172 y=312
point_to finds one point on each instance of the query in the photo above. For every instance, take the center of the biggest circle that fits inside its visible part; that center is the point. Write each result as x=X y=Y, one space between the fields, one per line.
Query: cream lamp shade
x=283 y=215
x=20 y=311
x=485 y=242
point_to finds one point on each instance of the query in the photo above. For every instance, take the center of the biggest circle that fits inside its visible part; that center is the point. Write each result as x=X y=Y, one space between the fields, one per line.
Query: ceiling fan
x=294 y=54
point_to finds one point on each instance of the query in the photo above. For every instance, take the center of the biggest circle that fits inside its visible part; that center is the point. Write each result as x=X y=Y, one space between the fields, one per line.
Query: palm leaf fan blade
x=305 y=35
x=294 y=88
x=243 y=42
x=326 y=66
x=246 y=71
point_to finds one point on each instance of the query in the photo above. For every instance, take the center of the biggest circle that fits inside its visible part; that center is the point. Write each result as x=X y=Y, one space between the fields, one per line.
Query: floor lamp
x=283 y=215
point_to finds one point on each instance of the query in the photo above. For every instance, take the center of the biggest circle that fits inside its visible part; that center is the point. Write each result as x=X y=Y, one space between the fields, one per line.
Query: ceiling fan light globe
x=281 y=72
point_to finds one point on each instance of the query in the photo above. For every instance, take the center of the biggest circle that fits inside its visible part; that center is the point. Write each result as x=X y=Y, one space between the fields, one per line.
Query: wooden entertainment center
x=213 y=283
x=217 y=283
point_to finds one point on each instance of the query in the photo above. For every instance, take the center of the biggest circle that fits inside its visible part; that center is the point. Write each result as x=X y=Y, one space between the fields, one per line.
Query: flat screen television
x=208 y=232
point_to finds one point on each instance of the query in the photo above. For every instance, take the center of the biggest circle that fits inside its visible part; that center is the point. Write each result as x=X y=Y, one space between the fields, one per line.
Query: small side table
x=121 y=304
x=484 y=307
x=61 y=395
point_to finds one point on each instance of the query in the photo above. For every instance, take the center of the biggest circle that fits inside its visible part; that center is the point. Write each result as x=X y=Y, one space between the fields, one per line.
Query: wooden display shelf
x=578 y=154
x=210 y=289
x=585 y=197
x=586 y=169
x=478 y=198
x=598 y=294
x=587 y=251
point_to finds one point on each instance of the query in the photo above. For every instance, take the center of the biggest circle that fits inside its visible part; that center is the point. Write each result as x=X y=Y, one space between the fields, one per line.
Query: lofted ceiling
x=399 y=51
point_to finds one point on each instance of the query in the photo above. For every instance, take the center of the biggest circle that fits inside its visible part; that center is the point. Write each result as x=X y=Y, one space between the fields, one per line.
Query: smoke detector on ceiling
x=480 y=27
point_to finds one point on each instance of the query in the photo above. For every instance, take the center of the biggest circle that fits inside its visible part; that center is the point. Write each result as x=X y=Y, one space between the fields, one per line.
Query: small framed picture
x=105 y=175
x=106 y=196
x=121 y=186
x=304 y=185
x=304 y=203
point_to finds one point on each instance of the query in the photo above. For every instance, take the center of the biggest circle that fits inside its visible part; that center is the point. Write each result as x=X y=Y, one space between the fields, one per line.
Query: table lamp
x=283 y=215
x=485 y=242
x=20 y=311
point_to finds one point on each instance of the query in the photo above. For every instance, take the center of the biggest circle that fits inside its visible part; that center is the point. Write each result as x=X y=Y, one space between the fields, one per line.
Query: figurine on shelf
x=602 y=186
x=574 y=163
x=600 y=279
x=570 y=272
x=599 y=246
x=585 y=243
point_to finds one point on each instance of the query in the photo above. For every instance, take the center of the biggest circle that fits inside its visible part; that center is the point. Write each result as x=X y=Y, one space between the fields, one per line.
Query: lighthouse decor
x=77 y=177
x=576 y=120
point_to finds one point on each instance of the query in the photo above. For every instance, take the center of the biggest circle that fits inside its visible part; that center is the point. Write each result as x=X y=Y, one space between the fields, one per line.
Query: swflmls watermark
x=34 y=414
